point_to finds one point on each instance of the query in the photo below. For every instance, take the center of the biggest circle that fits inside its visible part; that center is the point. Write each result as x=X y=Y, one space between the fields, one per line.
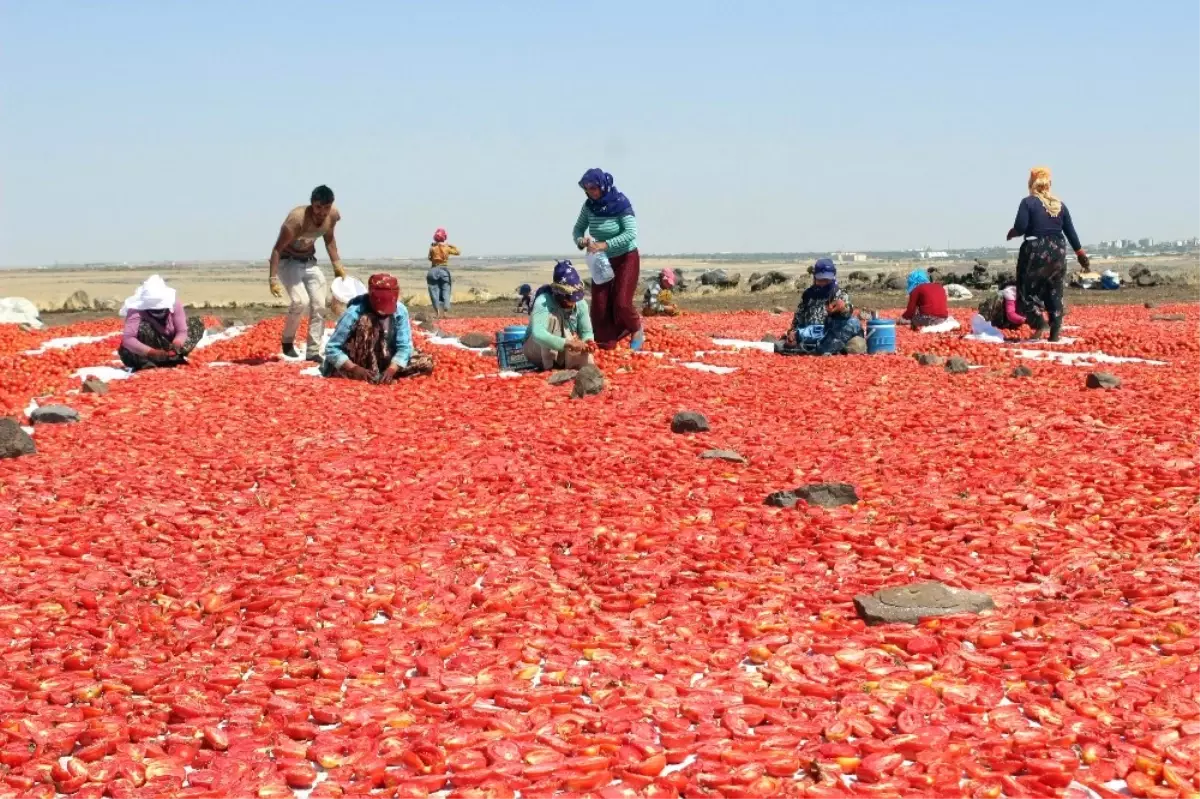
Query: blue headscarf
x=917 y=277
x=612 y=203
x=566 y=283
x=825 y=268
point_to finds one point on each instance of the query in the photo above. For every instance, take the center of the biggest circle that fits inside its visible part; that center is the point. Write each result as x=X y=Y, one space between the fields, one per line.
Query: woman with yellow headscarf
x=1042 y=264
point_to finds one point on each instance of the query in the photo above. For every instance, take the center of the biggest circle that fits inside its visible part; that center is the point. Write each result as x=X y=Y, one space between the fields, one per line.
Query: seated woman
x=659 y=300
x=812 y=309
x=1001 y=309
x=373 y=340
x=927 y=302
x=524 y=299
x=560 y=326
x=157 y=330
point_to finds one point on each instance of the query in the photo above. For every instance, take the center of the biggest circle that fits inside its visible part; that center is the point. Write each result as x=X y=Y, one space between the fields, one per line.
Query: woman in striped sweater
x=609 y=224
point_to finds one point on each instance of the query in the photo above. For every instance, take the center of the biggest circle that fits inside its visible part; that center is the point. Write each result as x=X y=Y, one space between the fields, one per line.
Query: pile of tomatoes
x=244 y=581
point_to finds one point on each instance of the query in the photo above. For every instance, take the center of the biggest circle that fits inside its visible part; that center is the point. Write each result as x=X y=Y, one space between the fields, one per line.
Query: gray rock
x=233 y=321
x=14 y=442
x=826 y=495
x=782 y=499
x=106 y=304
x=755 y=276
x=958 y=366
x=565 y=376
x=1138 y=269
x=95 y=386
x=722 y=455
x=721 y=279
x=769 y=280
x=1168 y=317
x=476 y=341
x=488 y=352
x=895 y=283
x=856 y=346
x=778 y=310
x=1146 y=280
x=858 y=277
x=929 y=359
x=1103 y=380
x=588 y=382
x=78 y=301
x=1149 y=305
x=689 y=422
x=54 y=414
x=422 y=316
x=1022 y=371
x=911 y=603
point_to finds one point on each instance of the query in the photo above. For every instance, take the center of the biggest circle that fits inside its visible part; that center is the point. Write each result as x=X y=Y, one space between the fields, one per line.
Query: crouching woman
x=157 y=332
x=560 y=326
x=373 y=340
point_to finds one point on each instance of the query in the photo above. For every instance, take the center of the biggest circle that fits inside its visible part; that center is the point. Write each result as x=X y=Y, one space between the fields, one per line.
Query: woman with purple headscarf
x=559 y=335
x=824 y=320
x=607 y=224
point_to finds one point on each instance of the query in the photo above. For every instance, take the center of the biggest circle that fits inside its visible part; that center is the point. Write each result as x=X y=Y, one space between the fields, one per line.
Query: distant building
x=1146 y=244
x=849 y=257
x=926 y=254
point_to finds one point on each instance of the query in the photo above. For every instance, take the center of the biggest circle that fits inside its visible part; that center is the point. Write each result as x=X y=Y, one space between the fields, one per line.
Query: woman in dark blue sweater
x=1042 y=263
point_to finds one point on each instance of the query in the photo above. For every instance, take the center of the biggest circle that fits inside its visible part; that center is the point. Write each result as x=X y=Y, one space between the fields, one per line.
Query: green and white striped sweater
x=620 y=233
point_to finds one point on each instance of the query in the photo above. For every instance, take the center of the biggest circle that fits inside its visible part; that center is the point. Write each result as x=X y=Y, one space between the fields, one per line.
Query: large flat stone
x=722 y=455
x=826 y=495
x=14 y=442
x=911 y=603
x=54 y=414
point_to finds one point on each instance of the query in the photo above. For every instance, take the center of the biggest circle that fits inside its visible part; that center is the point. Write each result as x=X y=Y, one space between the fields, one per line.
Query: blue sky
x=173 y=130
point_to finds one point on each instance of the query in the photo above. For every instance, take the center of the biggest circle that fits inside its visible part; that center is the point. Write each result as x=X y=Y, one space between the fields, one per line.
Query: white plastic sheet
x=19 y=311
x=985 y=331
x=944 y=327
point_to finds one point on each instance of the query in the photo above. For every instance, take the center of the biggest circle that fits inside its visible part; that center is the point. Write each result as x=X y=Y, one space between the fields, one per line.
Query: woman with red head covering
x=373 y=340
x=659 y=300
x=438 y=279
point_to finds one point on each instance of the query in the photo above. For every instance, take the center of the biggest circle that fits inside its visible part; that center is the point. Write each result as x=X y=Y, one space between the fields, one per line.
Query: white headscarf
x=153 y=295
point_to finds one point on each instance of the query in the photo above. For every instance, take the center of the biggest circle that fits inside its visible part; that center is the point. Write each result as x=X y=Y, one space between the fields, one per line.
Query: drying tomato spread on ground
x=243 y=580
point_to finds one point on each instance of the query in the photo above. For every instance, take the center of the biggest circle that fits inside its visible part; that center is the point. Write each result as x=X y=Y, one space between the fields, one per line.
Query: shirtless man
x=293 y=268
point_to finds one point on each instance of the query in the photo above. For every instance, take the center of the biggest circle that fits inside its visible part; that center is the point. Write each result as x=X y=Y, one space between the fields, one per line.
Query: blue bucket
x=881 y=336
x=509 y=349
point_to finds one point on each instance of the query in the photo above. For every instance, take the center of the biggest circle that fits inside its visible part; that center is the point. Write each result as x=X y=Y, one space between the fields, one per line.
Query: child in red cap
x=438 y=280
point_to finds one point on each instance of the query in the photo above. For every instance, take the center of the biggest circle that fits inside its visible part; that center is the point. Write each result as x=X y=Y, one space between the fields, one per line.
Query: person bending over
x=373 y=340
x=157 y=332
